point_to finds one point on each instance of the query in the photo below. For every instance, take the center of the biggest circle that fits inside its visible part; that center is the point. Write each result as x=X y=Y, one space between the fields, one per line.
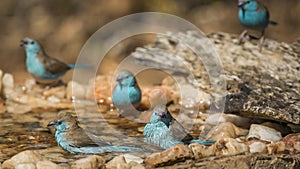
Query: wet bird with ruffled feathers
x=165 y=131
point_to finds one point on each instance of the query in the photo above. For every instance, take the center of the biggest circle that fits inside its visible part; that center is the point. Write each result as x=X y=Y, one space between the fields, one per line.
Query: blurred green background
x=63 y=26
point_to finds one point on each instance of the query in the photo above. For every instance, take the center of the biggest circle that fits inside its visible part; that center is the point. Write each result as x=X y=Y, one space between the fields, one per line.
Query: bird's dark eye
x=32 y=42
x=59 y=123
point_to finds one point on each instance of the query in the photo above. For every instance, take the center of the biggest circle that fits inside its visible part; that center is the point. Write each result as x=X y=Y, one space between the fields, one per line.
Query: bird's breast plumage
x=257 y=19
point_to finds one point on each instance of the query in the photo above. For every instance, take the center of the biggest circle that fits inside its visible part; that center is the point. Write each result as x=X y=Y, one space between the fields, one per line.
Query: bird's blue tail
x=107 y=149
x=79 y=66
x=204 y=142
x=120 y=149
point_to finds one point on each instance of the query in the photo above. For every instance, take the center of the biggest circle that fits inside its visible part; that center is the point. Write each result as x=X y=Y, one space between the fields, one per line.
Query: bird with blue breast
x=255 y=16
x=74 y=139
x=127 y=94
x=165 y=131
x=41 y=65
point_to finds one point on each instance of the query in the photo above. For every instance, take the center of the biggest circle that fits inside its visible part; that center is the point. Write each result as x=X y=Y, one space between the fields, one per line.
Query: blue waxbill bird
x=41 y=65
x=72 y=138
x=165 y=131
x=254 y=15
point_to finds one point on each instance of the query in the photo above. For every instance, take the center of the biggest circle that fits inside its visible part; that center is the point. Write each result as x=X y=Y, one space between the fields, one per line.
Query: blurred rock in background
x=64 y=26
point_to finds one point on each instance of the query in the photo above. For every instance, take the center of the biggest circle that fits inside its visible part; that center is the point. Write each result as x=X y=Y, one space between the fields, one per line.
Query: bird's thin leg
x=261 y=40
x=242 y=36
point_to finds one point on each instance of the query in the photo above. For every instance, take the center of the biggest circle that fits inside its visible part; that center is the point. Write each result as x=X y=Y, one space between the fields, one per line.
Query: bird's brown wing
x=81 y=139
x=52 y=65
x=262 y=7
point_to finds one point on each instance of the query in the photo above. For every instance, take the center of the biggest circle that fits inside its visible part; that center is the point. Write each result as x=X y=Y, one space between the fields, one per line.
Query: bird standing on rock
x=165 y=131
x=253 y=15
x=72 y=138
x=41 y=65
x=127 y=93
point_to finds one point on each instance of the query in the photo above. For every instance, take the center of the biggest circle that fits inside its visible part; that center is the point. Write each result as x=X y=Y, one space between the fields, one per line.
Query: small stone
x=118 y=162
x=258 y=147
x=27 y=156
x=129 y=158
x=277 y=147
x=30 y=83
x=75 y=90
x=263 y=133
x=135 y=165
x=8 y=84
x=25 y=166
x=226 y=130
x=90 y=162
x=284 y=130
x=58 y=92
x=170 y=156
x=290 y=139
x=201 y=151
x=47 y=165
x=217 y=118
x=229 y=146
x=297 y=146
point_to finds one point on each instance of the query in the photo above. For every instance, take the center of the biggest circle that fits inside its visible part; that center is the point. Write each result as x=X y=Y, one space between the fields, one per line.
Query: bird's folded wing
x=53 y=65
x=81 y=139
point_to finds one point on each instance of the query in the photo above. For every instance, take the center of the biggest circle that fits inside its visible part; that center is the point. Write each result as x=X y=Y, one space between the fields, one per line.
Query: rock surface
x=263 y=84
x=263 y=133
x=170 y=156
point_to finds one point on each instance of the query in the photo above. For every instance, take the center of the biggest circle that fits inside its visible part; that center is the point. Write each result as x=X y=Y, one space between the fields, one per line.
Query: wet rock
x=264 y=133
x=58 y=92
x=158 y=95
x=25 y=166
x=118 y=162
x=129 y=158
x=7 y=85
x=283 y=129
x=297 y=146
x=18 y=108
x=258 y=147
x=277 y=147
x=30 y=84
x=226 y=130
x=47 y=165
x=75 y=90
x=22 y=103
x=263 y=84
x=201 y=151
x=215 y=119
x=290 y=139
x=135 y=165
x=90 y=162
x=100 y=88
x=170 y=156
x=25 y=157
x=229 y=146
